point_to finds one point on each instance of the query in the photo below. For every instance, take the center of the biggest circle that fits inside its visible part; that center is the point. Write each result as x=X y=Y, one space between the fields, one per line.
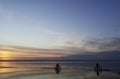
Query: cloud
x=104 y=44
x=92 y=45
x=22 y=52
x=68 y=48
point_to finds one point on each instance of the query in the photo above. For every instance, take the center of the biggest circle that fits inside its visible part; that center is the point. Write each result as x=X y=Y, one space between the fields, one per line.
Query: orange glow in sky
x=12 y=55
x=5 y=55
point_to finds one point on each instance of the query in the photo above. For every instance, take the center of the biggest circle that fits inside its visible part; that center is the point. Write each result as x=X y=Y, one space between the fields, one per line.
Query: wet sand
x=21 y=73
x=45 y=70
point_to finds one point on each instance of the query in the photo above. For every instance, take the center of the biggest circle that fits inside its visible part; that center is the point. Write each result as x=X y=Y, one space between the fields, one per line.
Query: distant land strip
x=60 y=60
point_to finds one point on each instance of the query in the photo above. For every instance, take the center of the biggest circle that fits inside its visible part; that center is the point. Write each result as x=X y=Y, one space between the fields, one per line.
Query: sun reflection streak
x=5 y=67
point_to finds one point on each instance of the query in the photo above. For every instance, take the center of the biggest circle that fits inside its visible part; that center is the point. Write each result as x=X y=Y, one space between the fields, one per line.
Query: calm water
x=70 y=70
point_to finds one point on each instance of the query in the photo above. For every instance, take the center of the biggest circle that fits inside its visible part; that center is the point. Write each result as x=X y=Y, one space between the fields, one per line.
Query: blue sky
x=53 y=23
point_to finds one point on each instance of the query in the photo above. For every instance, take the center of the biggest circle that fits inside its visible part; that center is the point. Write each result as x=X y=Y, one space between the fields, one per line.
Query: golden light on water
x=5 y=67
x=5 y=64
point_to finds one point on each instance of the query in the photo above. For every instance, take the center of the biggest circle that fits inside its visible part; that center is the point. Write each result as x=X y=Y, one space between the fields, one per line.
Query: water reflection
x=19 y=70
x=5 y=64
x=5 y=67
x=98 y=73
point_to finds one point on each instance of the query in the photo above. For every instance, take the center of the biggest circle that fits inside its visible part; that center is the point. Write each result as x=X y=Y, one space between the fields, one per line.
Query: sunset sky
x=35 y=29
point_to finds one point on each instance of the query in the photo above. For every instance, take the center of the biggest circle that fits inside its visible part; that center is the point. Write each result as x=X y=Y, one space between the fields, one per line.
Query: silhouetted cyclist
x=57 y=68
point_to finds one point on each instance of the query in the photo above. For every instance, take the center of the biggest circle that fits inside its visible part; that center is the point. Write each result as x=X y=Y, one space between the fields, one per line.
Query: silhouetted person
x=98 y=69
x=57 y=68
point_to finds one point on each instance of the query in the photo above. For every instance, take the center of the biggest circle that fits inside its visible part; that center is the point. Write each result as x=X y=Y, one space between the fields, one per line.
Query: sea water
x=70 y=70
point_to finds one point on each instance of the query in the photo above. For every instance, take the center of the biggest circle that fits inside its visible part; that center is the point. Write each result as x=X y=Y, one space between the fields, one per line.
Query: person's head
x=97 y=64
x=57 y=64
